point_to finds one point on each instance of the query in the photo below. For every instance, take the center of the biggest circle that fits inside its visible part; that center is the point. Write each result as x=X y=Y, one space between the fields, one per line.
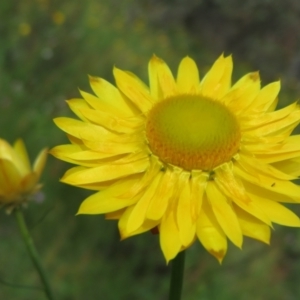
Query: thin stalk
x=177 y=270
x=33 y=252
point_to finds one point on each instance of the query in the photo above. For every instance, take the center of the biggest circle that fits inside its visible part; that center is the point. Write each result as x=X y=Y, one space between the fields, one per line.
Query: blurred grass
x=47 y=49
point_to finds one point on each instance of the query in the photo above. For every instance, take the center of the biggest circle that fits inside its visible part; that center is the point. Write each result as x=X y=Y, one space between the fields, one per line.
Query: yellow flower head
x=18 y=181
x=195 y=159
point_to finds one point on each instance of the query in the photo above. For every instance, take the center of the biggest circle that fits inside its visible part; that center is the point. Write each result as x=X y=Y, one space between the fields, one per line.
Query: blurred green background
x=47 y=49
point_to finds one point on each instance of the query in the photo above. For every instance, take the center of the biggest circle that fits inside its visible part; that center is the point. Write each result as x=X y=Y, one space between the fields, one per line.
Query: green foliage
x=47 y=49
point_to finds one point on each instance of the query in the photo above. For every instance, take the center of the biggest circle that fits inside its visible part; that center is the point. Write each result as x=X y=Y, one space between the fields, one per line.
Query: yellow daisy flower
x=18 y=180
x=195 y=159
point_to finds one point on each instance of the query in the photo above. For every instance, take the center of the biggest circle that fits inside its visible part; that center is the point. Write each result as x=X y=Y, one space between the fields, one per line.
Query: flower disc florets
x=192 y=132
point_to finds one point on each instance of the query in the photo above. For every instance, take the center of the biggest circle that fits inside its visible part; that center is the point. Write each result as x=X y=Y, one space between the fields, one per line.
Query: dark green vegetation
x=47 y=48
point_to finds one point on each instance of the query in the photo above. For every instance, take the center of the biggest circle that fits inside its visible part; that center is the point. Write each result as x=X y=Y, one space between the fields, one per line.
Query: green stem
x=177 y=268
x=33 y=252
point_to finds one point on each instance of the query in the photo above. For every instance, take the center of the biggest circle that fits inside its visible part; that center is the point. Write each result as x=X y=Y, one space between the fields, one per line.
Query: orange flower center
x=192 y=132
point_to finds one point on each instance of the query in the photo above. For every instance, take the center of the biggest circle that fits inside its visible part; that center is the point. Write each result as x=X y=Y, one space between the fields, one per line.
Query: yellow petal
x=246 y=80
x=252 y=227
x=224 y=214
x=155 y=89
x=98 y=186
x=268 y=194
x=101 y=105
x=265 y=98
x=23 y=163
x=75 y=141
x=109 y=94
x=276 y=127
x=40 y=162
x=6 y=150
x=147 y=178
x=115 y=215
x=187 y=76
x=138 y=214
x=111 y=122
x=102 y=173
x=113 y=148
x=289 y=166
x=107 y=200
x=285 y=188
x=122 y=224
x=18 y=157
x=160 y=201
x=169 y=236
x=217 y=81
x=242 y=94
x=210 y=233
x=28 y=183
x=10 y=176
x=134 y=89
x=83 y=130
x=73 y=153
x=276 y=212
x=162 y=82
x=270 y=117
x=64 y=151
x=90 y=155
x=256 y=166
x=234 y=189
x=290 y=148
x=94 y=159
x=273 y=105
x=76 y=105
x=186 y=226
x=198 y=186
x=146 y=226
x=264 y=144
